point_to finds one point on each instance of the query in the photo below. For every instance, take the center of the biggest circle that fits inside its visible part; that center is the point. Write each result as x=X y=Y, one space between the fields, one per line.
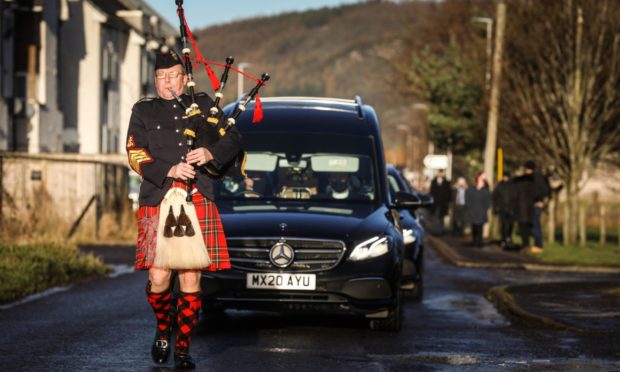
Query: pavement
x=591 y=306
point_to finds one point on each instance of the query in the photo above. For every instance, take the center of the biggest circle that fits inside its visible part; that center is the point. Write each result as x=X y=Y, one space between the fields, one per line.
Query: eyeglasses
x=172 y=75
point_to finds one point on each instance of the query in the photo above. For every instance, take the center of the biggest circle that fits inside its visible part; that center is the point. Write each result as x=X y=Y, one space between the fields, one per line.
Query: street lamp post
x=241 y=66
x=489 y=23
x=494 y=96
x=491 y=142
x=407 y=150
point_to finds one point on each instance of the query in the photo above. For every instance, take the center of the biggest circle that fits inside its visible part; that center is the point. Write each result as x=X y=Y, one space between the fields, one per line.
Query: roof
x=136 y=14
x=312 y=114
x=165 y=28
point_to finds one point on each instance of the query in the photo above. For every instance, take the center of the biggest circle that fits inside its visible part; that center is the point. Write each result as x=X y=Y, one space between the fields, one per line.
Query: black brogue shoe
x=183 y=361
x=160 y=351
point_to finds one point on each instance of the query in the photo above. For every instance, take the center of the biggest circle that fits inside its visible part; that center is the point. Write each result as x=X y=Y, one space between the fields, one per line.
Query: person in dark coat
x=532 y=191
x=477 y=204
x=442 y=195
x=503 y=207
x=523 y=187
x=542 y=193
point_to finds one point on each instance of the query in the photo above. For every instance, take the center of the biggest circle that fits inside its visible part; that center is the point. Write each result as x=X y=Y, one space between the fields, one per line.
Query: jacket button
x=158 y=127
x=176 y=118
x=182 y=157
x=180 y=144
x=177 y=131
x=175 y=106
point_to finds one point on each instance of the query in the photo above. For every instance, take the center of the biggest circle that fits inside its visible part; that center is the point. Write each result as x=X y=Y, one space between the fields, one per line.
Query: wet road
x=106 y=325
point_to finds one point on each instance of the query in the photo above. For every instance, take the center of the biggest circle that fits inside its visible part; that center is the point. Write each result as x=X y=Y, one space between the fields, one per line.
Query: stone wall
x=60 y=186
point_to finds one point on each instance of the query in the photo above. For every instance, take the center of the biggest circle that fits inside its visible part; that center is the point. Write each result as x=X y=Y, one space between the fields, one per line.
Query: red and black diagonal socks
x=160 y=302
x=188 y=309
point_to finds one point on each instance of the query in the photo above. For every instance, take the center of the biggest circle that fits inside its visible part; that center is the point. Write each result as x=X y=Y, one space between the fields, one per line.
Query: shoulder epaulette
x=146 y=99
x=144 y=102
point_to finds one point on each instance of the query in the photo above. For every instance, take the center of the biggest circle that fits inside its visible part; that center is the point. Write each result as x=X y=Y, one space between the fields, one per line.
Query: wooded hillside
x=336 y=52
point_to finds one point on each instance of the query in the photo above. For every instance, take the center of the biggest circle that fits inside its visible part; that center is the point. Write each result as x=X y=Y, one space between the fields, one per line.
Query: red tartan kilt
x=210 y=225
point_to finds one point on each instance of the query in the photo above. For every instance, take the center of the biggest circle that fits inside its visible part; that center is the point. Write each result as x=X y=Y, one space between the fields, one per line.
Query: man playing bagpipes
x=169 y=142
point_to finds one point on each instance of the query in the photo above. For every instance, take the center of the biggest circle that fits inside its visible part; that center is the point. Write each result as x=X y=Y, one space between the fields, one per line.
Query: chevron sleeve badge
x=137 y=157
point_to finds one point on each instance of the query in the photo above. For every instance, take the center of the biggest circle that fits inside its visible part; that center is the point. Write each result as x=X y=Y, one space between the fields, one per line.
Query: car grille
x=252 y=254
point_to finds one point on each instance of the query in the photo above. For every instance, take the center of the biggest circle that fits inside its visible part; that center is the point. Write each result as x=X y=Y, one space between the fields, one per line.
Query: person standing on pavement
x=541 y=192
x=523 y=187
x=477 y=204
x=441 y=192
x=458 y=209
x=156 y=151
x=532 y=191
x=503 y=207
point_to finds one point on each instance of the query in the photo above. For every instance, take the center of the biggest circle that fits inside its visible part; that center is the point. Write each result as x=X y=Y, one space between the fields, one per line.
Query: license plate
x=304 y=282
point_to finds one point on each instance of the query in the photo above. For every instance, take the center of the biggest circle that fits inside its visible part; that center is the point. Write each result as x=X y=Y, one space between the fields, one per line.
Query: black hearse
x=312 y=227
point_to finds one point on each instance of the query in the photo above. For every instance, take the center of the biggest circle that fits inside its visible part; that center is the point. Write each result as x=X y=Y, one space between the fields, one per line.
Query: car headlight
x=408 y=236
x=370 y=248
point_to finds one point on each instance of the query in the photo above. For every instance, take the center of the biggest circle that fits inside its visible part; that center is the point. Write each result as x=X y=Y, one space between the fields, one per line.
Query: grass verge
x=614 y=292
x=592 y=254
x=30 y=268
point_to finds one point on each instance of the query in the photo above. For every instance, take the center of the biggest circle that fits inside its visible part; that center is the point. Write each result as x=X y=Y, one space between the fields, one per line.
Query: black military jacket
x=155 y=143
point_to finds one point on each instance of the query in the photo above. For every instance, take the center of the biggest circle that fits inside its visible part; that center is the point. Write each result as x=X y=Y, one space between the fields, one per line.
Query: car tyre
x=418 y=289
x=393 y=321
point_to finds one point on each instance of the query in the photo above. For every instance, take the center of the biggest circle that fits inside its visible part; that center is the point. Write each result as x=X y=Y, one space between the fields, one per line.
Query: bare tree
x=562 y=99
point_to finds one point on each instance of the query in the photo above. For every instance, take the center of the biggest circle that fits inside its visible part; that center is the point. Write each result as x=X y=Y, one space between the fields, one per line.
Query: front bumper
x=334 y=293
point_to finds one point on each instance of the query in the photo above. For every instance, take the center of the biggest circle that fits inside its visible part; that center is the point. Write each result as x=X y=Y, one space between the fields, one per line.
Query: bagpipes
x=215 y=115
x=180 y=244
x=236 y=167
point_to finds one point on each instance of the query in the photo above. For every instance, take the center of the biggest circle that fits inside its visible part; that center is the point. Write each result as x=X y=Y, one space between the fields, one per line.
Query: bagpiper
x=179 y=227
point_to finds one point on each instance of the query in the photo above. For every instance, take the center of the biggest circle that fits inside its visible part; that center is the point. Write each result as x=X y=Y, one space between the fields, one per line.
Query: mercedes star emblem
x=281 y=255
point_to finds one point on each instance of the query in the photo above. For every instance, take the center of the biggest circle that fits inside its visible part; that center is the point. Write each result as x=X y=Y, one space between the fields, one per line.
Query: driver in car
x=339 y=186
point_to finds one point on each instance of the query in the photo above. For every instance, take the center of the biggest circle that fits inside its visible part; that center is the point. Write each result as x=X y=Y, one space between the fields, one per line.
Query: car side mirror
x=426 y=200
x=405 y=200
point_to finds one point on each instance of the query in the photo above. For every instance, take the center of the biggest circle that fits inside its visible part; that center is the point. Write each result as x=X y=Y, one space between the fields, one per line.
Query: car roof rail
x=359 y=106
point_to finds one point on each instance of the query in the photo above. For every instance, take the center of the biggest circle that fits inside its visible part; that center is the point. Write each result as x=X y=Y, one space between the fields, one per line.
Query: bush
x=27 y=269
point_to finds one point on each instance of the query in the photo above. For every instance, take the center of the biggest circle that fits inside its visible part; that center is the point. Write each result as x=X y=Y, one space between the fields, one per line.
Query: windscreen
x=318 y=167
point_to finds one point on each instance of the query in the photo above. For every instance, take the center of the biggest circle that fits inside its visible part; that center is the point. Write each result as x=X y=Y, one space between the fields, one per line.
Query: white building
x=70 y=70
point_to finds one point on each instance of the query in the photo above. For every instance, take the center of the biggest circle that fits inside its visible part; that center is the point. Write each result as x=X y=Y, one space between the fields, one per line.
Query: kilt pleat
x=210 y=225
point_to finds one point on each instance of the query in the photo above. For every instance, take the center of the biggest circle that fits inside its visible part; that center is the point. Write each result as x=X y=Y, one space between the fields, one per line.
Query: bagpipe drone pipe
x=217 y=123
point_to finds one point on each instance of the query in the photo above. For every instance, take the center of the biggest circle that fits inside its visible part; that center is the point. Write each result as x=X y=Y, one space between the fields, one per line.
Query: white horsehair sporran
x=180 y=243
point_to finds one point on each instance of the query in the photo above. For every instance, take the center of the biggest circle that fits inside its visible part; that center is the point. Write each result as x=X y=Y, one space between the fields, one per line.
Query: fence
x=70 y=192
x=598 y=221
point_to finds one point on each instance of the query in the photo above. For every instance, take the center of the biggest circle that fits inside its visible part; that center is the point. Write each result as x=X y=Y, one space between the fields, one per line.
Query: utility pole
x=407 y=154
x=241 y=66
x=491 y=141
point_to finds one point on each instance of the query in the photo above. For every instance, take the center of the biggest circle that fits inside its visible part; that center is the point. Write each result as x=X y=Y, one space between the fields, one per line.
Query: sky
x=204 y=13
